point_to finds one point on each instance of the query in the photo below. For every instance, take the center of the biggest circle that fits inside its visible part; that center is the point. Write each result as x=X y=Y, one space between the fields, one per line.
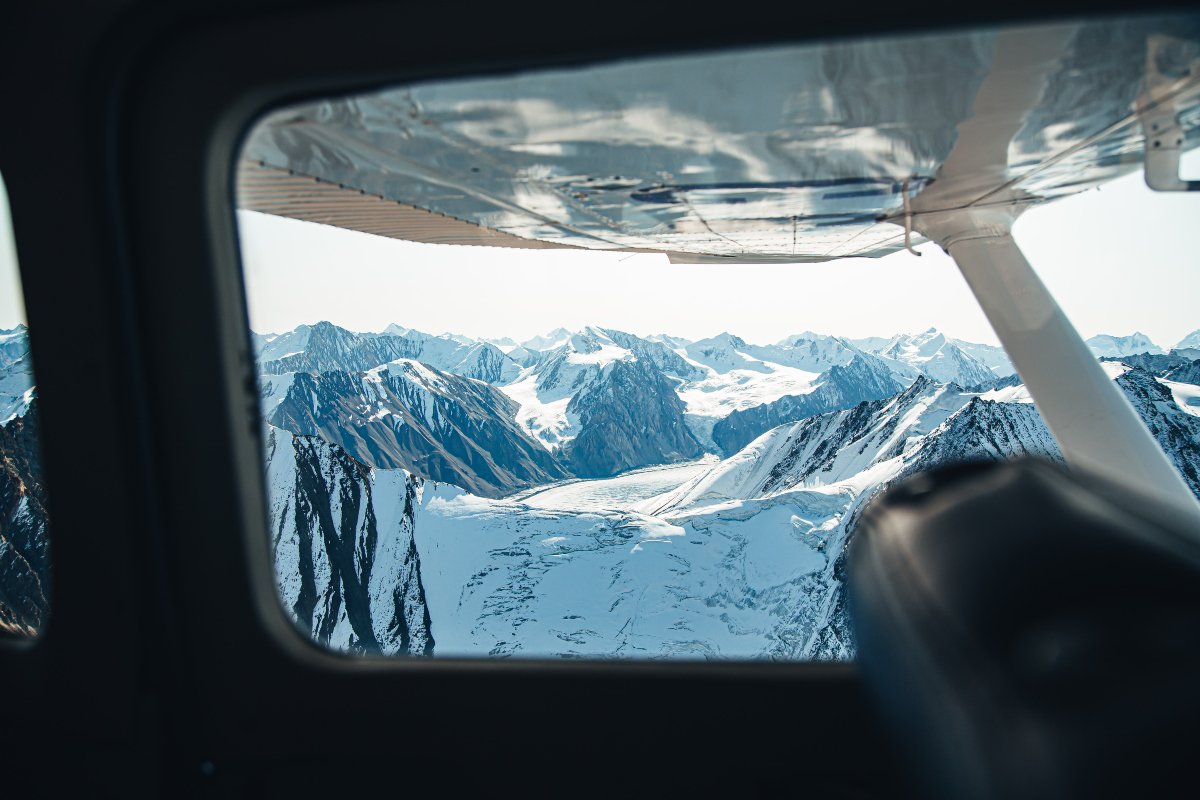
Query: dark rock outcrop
x=436 y=425
x=346 y=562
x=629 y=417
x=24 y=528
x=864 y=378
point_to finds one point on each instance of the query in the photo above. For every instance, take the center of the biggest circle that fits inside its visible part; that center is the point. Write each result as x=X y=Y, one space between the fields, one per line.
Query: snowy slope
x=407 y=414
x=606 y=401
x=324 y=346
x=550 y=341
x=1106 y=345
x=14 y=344
x=25 y=577
x=1191 y=341
x=629 y=417
x=16 y=373
x=743 y=560
x=865 y=377
x=346 y=564
x=938 y=357
x=16 y=388
x=1177 y=429
x=1185 y=373
x=737 y=558
x=508 y=580
x=991 y=356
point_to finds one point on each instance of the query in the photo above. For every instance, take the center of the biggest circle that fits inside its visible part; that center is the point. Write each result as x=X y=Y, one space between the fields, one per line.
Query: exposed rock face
x=938 y=357
x=406 y=414
x=1188 y=372
x=327 y=347
x=16 y=375
x=629 y=417
x=987 y=431
x=1155 y=363
x=1176 y=430
x=346 y=562
x=14 y=344
x=660 y=353
x=864 y=378
x=24 y=528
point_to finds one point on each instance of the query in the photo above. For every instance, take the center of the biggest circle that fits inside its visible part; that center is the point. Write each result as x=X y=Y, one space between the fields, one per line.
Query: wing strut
x=1089 y=416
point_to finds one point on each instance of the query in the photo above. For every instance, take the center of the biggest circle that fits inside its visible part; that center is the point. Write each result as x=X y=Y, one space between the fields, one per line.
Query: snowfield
x=507 y=579
x=624 y=492
x=675 y=555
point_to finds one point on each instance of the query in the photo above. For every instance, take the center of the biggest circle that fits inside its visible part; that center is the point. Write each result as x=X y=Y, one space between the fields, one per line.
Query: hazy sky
x=1118 y=259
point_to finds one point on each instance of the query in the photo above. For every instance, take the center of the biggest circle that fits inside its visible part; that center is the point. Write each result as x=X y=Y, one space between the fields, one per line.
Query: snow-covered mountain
x=938 y=357
x=16 y=373
x=325 y=346
x=1189 y=342
x=924 y=348
x=407 y=414
x=1171 y=417
x=872 y=442
x=1188 y=372
x=813 y=352
x=629 y=416
x=681 y=556
x=606 y=401
x=744 y=559
x=723 y=353
x=24 y=541
x=865 y=377
x=1159 y=364
x=1106 y=345
x=991 y=356
x=550 y=341
x=16 y=389
x=346 y=563
x=724 y=382
x=14 y=344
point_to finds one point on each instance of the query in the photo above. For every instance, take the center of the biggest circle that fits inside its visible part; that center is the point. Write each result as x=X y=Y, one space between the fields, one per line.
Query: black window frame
x=168 y=638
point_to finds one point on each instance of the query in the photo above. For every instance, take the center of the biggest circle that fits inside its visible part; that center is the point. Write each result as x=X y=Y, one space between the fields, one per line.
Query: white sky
x=1118 y=259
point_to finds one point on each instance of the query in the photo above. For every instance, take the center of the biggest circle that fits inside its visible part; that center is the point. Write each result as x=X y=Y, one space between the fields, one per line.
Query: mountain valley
x=592 y=493
x=660 y=497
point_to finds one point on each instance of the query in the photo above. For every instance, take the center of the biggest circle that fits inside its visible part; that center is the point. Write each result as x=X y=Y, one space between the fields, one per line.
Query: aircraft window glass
x=24 y=522
x=486 y=436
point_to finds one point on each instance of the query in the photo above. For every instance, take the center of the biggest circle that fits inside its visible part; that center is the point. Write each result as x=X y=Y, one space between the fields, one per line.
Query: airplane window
x=24 y=543
x=606 y=362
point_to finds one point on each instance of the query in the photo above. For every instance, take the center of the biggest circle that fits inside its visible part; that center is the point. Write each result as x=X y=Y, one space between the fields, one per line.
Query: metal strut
x=1089 y=416
x=1161 y=132
x=907 y=218
x=1163 y=149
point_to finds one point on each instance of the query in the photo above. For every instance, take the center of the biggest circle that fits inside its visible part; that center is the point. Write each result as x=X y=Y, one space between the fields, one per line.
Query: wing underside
x=785 y=154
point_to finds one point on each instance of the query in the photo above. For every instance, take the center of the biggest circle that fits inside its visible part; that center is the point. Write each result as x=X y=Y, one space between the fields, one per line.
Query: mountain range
x=737 y=557
x=592 y=493
x=698 y=497
x=597 y=401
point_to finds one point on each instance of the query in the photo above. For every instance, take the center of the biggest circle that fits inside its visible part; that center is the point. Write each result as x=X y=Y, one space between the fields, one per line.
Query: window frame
x=168 y=638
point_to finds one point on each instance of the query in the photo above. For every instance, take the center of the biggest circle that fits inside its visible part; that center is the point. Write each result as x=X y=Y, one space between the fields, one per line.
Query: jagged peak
x=723 y=338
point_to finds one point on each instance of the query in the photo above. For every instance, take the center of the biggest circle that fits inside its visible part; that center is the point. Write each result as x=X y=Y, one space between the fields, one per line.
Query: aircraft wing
x=783 y=154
